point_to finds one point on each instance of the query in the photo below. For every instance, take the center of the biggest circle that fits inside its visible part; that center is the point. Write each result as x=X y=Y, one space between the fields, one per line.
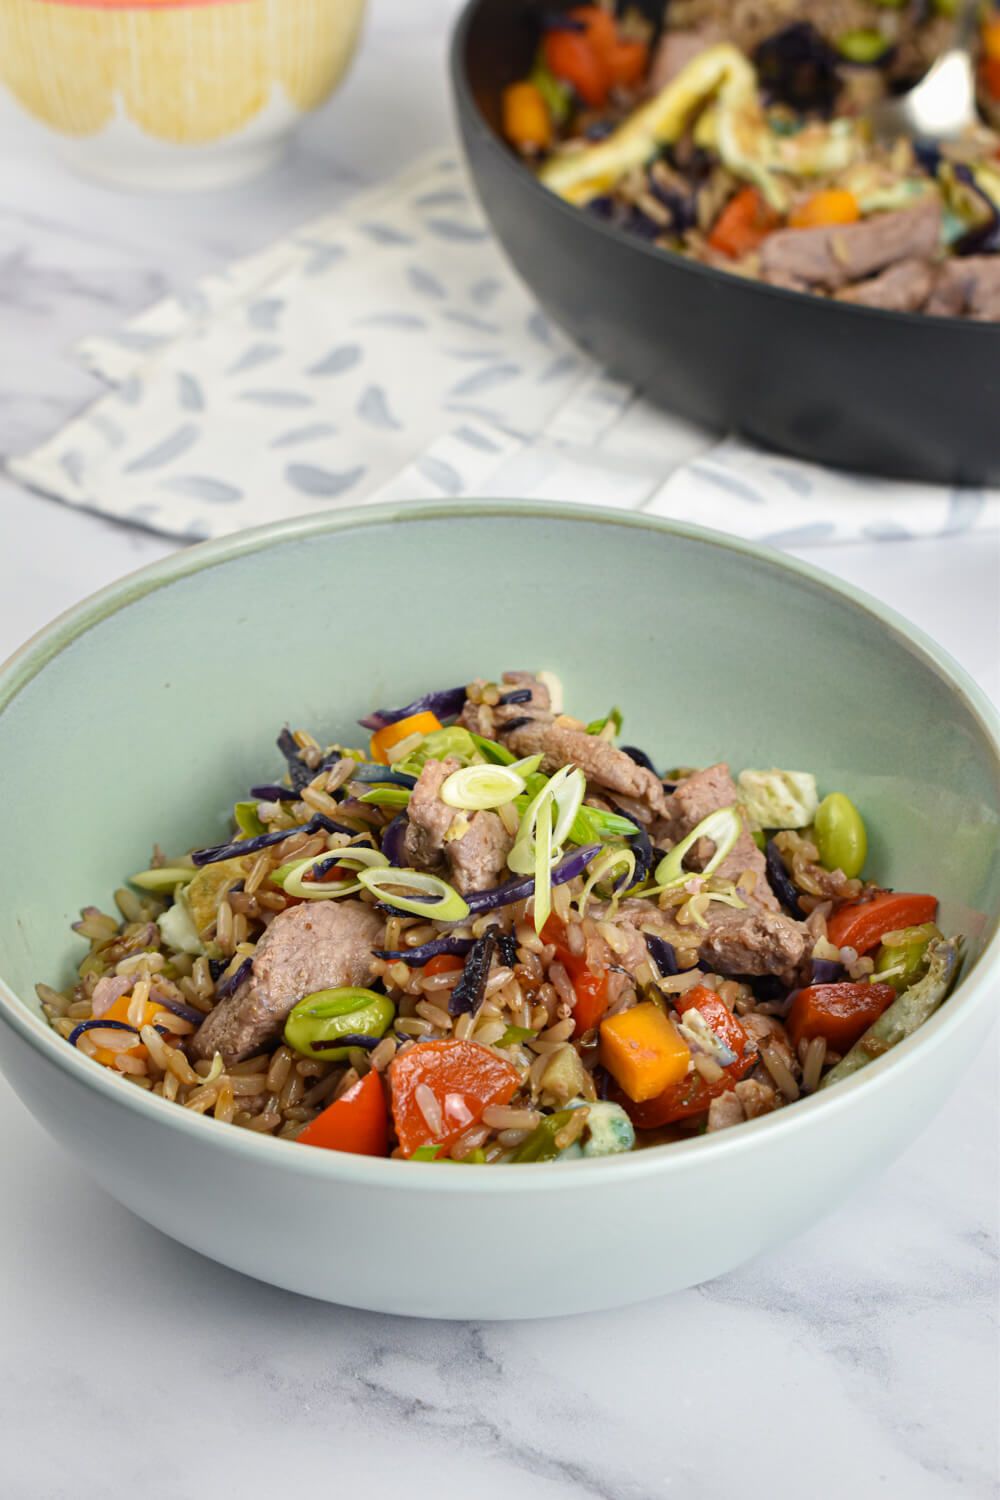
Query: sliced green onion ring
x=494 y=752
x=352 y=857
x=568 y=799
x=522 y=857
x=163 y=879
x=387 y=796
x=475 y=788
x=611 y=859
x=723 y=827
x=543 y=864
x=443 y=903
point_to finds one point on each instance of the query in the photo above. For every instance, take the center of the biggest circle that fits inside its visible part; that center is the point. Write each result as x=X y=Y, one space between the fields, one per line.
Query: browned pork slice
x=968 y=285
x=319 y=946
x=478 y=858
x=734 y=940
x=601 y=763
x=837 y=254
x=483 y=719
x=694 y=799
x=901 y=288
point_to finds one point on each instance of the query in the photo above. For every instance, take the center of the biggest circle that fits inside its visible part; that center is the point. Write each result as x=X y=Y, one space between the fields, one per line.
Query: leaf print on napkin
x=386 y=234
x=393 y=320
x=264 y=315
x=172 y=447
x=424 y=283
x=323 y=483
x=345 y=357
x=256 y=354
x=291 y=400
x=453 y=229
x=190 y=396
x=309 y=434
x=441 y=198
x=200 y=487
x=373 y=408
x=444 y=476
x=485 y=380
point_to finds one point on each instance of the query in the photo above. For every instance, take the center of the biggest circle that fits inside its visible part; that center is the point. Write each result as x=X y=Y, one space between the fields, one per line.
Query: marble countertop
x=860 y=1359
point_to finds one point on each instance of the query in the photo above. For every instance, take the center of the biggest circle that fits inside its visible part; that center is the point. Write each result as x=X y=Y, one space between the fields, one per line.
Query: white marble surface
x=860 y=1360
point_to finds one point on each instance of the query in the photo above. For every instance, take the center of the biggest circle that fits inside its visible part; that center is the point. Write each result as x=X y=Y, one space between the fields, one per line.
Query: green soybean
x=328 y=1015
x=840 y=835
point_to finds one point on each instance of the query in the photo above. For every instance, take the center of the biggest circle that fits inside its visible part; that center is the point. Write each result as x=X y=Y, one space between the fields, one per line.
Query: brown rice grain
x=292 y=1091
x=125 y=1064
x=348 y=1079
x=435 y=983
x=503 y=1117
x=281 y=1064
x=426 y=1101
x=433 y=1013
x=382 y=1055
x=413 y=1026
x=224 y=1106
x=264 y=1123
x=779 y=1071
x=812 y=1065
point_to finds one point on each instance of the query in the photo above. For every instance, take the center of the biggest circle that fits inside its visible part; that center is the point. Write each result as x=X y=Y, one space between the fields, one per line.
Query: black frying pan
x=895 y=393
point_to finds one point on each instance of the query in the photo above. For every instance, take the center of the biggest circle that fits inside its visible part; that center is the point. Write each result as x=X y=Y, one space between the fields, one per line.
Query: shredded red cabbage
x=383 y=776
x=508 y=949
x=393 y=839
x=78 y=1031
x=519 y=890
x=779 y=881
x=368 y=1042
x=444 y=704
x=470 y=991
x=642 y=847
x=640 y=757
x=298 y=771
x=519 y=695
x=827 y=971
x=417 y=957
x=275 y=793
x=231 y=985
x=265 y=840
x=185 y=1012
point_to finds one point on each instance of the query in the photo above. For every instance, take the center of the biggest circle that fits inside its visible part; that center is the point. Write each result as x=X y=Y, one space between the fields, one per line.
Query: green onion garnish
x=594 y=826
x=443 y=903
x=163 y=879
x=614 y=716
x=611 y=859
x=291 y=877
x=543 y=863
x=247 y=819
x=474 y=788
x=723 y=827
x=498 y=754
x=387 y=796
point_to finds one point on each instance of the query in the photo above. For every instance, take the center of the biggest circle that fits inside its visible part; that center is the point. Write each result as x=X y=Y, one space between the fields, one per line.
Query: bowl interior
x=147 y=715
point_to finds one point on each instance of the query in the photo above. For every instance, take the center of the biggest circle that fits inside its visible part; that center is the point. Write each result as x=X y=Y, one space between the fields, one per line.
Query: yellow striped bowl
x=175 y=93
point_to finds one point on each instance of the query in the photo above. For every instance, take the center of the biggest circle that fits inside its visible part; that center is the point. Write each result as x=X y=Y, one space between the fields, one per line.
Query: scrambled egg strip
x=720 y=86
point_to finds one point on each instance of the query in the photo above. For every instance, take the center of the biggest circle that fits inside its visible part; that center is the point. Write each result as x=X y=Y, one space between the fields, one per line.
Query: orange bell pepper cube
x=119 y=1012
x=693 y=1094
x=384 y=739
x=830 y=206
x=743 y=224
x=527 y=123
x=357 y=1122
x=643 y=1051
x=462 y=1077
x=841 y=1013
x=862 y=924
x=628 y=62
x=991 y=39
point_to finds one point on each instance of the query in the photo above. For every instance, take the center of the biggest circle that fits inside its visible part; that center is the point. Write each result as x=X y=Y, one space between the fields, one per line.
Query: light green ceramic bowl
x=145 y=712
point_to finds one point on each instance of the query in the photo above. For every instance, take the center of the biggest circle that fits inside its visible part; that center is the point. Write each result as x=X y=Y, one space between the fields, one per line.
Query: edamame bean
x=840 y=835
x=328 y=1015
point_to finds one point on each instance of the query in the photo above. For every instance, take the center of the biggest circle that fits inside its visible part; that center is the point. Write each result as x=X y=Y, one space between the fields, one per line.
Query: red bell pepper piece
x=591 y=987
x=463 y=1078
x=841 y=1013
x=357 y=1122
x=862 y=924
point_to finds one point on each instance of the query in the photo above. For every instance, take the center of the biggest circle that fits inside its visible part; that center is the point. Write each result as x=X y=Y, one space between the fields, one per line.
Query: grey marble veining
x=859 y=1361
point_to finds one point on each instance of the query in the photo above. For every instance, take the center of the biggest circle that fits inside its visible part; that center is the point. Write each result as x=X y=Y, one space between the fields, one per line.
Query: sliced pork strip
x=484 y=719
x=837 y=254
x=746 y=940
x=902 y=288
x=969 y=284
x=477 y=859
x=694 y=799
x=601 y=763
x=318 y=946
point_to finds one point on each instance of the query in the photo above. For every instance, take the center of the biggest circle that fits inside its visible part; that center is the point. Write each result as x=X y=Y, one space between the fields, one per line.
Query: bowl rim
x=971 y=327
x=31 y=658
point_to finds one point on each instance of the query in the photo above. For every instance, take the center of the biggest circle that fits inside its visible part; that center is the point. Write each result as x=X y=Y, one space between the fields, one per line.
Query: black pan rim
x=971 y=328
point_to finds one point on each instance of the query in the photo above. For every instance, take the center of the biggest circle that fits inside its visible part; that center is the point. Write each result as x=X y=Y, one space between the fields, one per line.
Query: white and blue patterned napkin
x=387 y=351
